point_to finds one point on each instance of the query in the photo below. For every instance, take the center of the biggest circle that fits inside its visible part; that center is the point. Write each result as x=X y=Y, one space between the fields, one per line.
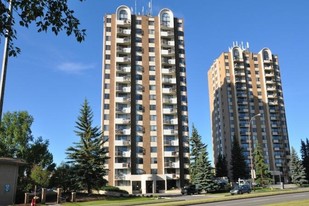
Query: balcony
x=124 y=69
x=169 y=80
x=123 y=41
x=167 y=33
x=168 y=70
x=123 y=99
x=170 y=100
x=123 y=79
x=170 y=132
x=168 y=90
x=169 y=110
x=124 y=59
x=123 y=31
x=125 y=50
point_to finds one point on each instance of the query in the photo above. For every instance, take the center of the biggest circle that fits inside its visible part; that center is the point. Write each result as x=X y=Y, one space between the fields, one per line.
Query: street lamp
x=250 y=147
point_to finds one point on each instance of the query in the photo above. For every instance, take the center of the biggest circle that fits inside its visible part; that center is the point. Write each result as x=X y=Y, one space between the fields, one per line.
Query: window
x=152 y=107
x=153 y=128
x=151 y=31
x=151 y=49
x=106 y=106
x=106 y=86
x=152 y=97
x=107 y=47
x=152 y=87
x=123 y=15
x=166 y=19
x=154 y=160
x=151 y=40
x=265 y=55
x=106 y=116
x=153 y=150
x=106 y=96
x=154 y=171
x=151 y=22
x=108 y=20
x=107 y=56
x=153 y=139
x=236 y=54
x=107 y=66
x=106 y=76
x=151 y=59
x=153 y=117
x=108 y=29
x=107 y=38
x=152 y=68
x=152 y=78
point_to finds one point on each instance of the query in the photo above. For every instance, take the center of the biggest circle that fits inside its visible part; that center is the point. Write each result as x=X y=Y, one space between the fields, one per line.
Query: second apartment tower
x=144 y=107
x=246 y=102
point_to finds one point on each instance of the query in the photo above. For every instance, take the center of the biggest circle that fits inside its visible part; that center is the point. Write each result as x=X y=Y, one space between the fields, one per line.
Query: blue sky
x=54 y=74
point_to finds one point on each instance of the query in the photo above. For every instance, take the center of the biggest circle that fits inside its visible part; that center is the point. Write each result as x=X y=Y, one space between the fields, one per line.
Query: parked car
x=191 y=189
x=241 y=189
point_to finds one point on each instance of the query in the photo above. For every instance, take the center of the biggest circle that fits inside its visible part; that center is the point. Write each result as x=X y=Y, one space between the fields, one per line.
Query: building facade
x=246 y=102
x=144 y=101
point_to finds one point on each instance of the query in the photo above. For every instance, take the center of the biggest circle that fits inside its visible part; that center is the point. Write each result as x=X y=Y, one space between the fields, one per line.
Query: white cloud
x=74 y=67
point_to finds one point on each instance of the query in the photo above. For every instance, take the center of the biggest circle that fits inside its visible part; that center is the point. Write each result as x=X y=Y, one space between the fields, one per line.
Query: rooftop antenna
x=248 y=45
x=135 y=8
x=143 y=10
x=150 y=8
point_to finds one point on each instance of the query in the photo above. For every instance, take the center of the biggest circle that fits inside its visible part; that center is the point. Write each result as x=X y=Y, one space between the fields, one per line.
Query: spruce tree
x=297 y=171
x=88 y=155
x=221 y=166
x=238 y=163
x=263 y=176
x=204 y=176
x=304 y=150
x=196 y=147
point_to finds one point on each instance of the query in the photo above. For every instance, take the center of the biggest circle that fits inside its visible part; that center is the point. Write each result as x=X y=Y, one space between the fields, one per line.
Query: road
x=262 y=200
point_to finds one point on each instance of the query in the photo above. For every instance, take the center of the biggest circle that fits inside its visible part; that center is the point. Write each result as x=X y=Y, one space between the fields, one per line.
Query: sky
x=53 y=75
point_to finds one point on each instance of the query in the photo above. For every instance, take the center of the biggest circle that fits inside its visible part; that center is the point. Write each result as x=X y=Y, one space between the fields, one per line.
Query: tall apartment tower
x=246 y=102
x=144 y=103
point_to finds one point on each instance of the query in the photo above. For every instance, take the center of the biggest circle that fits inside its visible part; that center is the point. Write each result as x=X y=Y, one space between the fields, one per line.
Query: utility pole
x=5 y=61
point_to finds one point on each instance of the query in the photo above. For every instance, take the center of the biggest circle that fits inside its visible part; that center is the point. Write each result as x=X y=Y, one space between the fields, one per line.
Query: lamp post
x=250 y=148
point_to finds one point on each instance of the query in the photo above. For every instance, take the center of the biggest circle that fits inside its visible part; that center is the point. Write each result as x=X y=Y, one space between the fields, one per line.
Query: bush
x=114 y=189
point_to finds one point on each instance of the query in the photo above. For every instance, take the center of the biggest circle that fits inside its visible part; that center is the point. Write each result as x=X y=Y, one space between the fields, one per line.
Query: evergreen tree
x=238 y=163
x=304 y=150
x=297 y=171
x=263 y=176
x=221 y=166
x=88 y=155
x=205 y=177
x=196 y=147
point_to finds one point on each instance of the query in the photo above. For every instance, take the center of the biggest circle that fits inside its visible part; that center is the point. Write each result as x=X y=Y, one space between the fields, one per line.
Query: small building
x=8 y=179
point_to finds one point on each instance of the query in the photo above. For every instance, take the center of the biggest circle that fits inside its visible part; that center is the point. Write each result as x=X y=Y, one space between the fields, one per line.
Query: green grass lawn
x=172 y=202
x=121 y=201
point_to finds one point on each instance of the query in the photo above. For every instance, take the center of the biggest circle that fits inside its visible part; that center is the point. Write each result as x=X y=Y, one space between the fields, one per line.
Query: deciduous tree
x=54 y=15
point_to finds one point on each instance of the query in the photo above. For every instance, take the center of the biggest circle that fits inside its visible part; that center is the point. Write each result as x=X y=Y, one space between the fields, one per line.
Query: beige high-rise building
x=246 y=102
x=144 y=103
